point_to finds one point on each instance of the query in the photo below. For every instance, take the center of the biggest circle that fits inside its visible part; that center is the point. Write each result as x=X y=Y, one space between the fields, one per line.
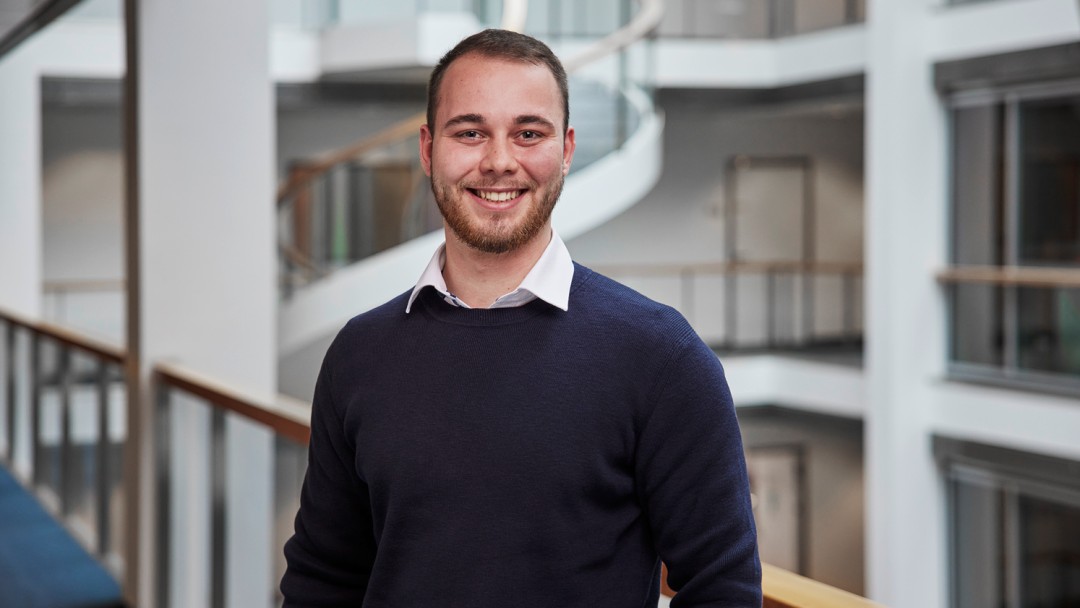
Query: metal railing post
x=162 y=441
x=770 y=308
x=849 y=305
x=103 y=468
x=67 y=468
x=686 y=278
x=218 y=564
x=10 y=348
x=34 y=409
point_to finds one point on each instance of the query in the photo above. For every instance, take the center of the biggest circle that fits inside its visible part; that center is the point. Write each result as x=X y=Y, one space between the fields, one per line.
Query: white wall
x=207 y=265
x=20 y=185
x=762 y=63
x=82 y=209
x=906 y=193
x=987 y=28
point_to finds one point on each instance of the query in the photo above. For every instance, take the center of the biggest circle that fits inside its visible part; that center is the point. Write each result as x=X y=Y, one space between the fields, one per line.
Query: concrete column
x=206 y=264
x=20 y=182
x=906 y=217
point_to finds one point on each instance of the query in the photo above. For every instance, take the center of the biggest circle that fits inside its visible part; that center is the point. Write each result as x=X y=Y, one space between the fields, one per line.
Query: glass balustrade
x=757 y=19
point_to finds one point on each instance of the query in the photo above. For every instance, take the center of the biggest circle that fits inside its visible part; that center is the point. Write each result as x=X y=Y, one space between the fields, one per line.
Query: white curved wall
x=761 y=63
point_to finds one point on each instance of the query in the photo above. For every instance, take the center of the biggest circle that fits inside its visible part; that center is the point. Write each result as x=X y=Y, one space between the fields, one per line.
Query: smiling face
x=496 y=151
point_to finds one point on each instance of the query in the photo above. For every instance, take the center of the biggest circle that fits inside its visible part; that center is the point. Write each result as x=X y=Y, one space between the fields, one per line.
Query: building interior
x=869 y=209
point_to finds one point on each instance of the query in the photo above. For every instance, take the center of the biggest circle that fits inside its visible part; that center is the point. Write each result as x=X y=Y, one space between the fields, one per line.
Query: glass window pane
x=1050 y=558
x=1050 y=181
x=1049 y=328
x=978 y=213
x=978 y=519
x=977 y=327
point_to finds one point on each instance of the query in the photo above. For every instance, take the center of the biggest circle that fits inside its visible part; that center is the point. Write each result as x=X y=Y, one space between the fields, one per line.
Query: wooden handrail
x=307 y=172
x=83 y=285
x=286 y=416
x=1012 y=276
x=853 y=268
x=783 y=589
x=69 y=337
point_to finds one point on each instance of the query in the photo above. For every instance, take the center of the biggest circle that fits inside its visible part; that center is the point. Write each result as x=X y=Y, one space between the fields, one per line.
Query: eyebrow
x=530 y=119
x=464 y=119
x=477 y=119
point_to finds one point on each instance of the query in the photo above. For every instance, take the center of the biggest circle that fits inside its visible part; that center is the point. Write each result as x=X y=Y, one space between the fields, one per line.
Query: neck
x=479 y=278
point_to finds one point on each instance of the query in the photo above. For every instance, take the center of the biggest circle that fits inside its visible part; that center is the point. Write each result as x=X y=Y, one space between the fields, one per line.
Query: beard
x=495 y=235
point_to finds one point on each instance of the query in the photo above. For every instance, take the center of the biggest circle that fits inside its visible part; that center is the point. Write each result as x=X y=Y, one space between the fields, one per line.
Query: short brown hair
x=500 y=44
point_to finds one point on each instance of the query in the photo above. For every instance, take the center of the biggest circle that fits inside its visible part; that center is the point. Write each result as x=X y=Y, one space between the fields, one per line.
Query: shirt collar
x=549 y=279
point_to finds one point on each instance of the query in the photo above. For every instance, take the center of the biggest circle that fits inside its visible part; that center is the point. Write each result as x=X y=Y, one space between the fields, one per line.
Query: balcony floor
x=41 y=565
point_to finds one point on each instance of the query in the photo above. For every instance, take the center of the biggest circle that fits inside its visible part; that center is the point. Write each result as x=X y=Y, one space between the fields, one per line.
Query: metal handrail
x=303 y=175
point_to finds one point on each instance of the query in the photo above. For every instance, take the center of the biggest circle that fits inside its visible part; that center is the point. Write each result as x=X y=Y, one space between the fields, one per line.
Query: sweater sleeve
x=330 y=555
x=692 y=480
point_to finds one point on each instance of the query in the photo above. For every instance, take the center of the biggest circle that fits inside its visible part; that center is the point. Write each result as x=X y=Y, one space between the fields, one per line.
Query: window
x=1014 y=523
x=1016 y=220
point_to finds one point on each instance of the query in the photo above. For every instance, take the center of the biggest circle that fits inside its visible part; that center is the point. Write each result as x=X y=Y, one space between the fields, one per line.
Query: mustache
x=502 y=185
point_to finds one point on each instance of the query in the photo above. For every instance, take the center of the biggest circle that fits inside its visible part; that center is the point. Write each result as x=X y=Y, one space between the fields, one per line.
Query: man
x=517 y=430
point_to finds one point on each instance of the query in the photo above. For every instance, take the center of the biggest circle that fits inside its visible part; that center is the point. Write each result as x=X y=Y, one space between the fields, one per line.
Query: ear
x=425 y=149
x=568 y=149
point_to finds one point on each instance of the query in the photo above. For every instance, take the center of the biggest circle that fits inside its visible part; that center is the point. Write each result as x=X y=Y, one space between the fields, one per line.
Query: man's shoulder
x=369 y=325
x=605 y=300
x=392 y=311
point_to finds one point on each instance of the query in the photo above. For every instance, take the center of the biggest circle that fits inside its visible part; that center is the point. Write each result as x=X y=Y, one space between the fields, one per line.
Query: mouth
x=497 y=198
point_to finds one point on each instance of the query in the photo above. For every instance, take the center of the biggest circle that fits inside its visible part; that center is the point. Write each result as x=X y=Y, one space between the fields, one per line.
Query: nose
x=499 y=158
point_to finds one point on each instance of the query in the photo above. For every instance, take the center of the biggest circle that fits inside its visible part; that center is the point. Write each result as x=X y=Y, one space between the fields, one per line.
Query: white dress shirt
x=549 y=279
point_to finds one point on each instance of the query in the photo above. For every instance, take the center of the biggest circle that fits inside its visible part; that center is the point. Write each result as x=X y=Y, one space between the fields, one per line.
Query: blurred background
x=870 y=209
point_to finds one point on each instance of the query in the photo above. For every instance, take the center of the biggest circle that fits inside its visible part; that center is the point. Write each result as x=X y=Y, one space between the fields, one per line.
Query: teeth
x=498 y=197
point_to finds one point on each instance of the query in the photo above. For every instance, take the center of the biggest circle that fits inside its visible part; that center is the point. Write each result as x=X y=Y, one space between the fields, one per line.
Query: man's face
x=497 y=153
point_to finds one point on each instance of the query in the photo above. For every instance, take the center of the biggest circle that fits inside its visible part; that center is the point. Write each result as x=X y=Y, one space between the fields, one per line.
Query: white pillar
x=20 y=182
x=905 y=337
x=207 y=259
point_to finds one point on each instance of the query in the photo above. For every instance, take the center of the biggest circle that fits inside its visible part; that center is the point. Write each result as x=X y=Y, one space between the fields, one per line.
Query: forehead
x=495 y=87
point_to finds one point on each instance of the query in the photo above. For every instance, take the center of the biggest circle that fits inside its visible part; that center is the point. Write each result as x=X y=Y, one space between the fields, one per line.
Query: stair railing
x=63 y=410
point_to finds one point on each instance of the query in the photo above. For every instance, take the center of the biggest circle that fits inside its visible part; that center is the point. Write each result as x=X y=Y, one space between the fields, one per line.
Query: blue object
x=41 y=565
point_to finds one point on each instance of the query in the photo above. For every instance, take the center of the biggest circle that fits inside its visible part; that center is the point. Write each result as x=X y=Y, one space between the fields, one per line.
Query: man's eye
x=529 y=135
x=469 y=134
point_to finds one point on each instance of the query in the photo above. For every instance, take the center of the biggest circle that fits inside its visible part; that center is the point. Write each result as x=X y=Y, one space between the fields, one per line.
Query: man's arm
x=693 y=483
x=331 y=553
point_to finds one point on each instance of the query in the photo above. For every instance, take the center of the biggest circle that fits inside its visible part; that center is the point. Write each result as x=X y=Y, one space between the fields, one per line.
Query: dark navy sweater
x=523 y=457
